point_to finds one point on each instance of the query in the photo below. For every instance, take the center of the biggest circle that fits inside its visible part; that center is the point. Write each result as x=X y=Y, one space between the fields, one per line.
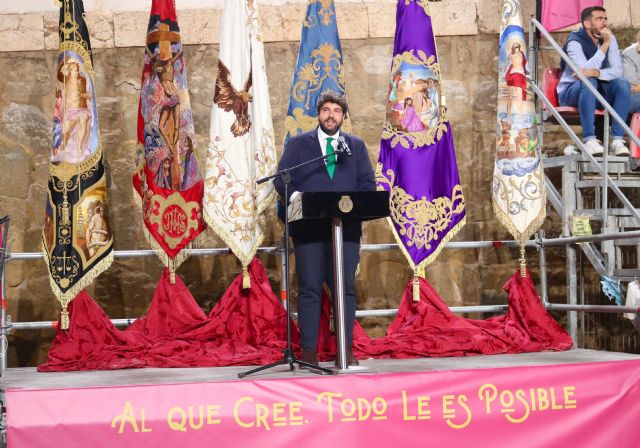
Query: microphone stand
x=288 y=355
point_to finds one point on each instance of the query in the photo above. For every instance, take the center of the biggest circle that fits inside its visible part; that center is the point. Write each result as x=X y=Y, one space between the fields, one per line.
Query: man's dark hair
x=332 y=97
x=588 y=12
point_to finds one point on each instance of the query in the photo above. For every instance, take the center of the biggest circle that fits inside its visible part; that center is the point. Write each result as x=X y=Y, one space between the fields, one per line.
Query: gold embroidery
x=420 y=221
x=72 y=39
x=513 y=203
x=65 y=171
x=325 y=13
x=175 y=218
x=326 y=64
x=238 y=203
x=422 y=3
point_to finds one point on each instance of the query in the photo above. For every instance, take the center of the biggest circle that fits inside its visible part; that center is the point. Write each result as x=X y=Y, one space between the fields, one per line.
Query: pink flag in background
x=557 y=14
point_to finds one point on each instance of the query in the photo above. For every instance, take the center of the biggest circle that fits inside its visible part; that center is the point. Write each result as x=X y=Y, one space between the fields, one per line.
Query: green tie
x=331 y=160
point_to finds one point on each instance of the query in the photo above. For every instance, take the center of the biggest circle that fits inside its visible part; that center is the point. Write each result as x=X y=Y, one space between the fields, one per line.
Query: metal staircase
x=582 y=194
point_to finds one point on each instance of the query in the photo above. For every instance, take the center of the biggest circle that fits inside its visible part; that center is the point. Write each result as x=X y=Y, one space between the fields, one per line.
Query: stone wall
x=467 y=45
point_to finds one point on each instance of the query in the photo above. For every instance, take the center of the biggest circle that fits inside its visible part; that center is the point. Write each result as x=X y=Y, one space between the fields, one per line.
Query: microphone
x=343 y=146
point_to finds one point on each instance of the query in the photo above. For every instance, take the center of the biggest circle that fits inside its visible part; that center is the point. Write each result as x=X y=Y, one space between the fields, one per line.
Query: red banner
x=592 y=404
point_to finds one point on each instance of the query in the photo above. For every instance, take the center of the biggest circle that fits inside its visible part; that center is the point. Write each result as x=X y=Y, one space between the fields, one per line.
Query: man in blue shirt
x=594 y=49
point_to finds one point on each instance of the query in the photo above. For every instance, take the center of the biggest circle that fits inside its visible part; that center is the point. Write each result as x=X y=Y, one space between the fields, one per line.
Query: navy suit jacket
x=352 y=173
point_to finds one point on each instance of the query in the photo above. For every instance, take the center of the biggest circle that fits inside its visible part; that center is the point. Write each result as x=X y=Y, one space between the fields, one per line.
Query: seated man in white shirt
x=594 y=49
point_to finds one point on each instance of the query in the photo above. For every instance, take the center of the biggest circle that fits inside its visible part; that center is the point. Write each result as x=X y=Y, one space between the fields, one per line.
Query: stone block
x=619 y=12
x=14 y=159
x=21 y=32
x=282 y=23
x=490 y=13
x=454 y=18
x=51 y=38
x=130 y=28
x=27 y=125
x=352 y=20
x=382 y=19
x=100 y=27
x=635 y=15
x=200 y=26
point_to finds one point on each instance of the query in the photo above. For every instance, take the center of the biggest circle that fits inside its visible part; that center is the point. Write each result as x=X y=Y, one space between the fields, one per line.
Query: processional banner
x=519 y=198
x=76 y=237
x=241 y=148
x=318 y=69
x=167 y=178
x=417 y=161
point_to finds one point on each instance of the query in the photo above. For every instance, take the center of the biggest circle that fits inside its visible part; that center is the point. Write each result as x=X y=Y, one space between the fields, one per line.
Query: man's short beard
x=328 y=131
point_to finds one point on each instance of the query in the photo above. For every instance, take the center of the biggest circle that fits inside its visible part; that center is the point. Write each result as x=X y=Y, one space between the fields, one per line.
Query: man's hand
x=635 y=88
x=605 y=35
x=590 y=72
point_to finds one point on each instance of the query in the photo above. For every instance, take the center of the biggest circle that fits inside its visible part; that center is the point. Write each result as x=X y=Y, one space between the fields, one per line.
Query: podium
x=339 y=206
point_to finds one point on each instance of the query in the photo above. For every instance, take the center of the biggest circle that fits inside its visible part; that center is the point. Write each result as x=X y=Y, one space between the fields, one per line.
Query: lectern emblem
x=346 y=204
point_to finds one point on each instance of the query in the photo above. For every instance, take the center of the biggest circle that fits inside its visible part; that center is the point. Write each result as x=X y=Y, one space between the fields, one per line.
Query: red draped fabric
x=247 y=327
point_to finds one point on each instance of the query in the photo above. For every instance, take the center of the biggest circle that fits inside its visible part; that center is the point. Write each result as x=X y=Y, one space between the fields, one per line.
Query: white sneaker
x=618 y=148
x=594 y=147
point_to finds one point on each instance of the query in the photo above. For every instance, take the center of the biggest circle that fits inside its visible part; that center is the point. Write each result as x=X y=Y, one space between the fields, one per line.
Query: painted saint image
x=169 y=120
x=413 y=99
x=166 y=110
x=163 y=174
x=74 y=111
x=410 y=120
x=515 y=77
x=97 y=234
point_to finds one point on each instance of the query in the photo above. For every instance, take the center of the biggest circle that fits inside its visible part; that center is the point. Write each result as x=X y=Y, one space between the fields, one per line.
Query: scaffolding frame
x=540 y=243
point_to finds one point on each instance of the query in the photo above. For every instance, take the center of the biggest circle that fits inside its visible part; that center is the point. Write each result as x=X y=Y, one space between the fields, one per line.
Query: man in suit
x=312 y=242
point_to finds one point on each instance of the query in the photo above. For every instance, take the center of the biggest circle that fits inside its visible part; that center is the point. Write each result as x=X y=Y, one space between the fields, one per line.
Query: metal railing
x=540 y=243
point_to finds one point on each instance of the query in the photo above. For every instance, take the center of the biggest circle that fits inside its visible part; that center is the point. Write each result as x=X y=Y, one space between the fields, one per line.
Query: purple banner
x=417 y=162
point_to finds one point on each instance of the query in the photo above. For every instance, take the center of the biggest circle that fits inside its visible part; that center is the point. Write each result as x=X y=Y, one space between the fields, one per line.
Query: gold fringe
x=526 y=235
x=66 y=297
x=246 y=281
x=421 y=268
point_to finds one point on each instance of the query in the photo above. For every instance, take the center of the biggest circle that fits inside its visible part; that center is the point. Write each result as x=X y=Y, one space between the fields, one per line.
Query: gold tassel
x=523 y=261
x=172 y=272
x=64 y=318
x=332 y=322
x=246 y=281
x=416 y=285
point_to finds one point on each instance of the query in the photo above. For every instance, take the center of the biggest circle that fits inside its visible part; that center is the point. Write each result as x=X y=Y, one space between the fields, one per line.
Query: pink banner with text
x=589 y=405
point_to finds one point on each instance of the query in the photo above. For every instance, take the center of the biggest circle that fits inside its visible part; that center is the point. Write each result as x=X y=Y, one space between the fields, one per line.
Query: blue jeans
x=617 y=92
